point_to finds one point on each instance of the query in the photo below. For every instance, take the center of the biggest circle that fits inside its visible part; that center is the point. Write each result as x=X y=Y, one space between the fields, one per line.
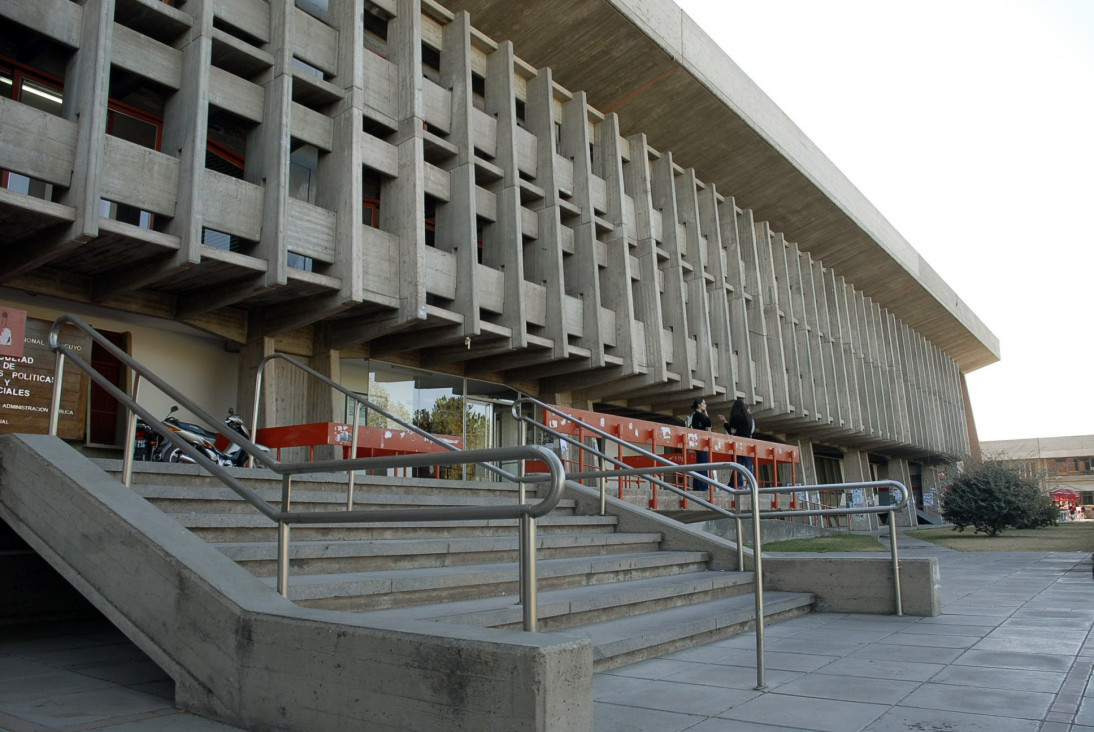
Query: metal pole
x=254 y=410
x=283 y=538
x=55 y=400
x=740 y=543
x=896 y=562
x=283 y=559
x=602 y=480
x=528 y=571
x=522 y=550
x=757 y=568
x=353 y=453
x=130 y=430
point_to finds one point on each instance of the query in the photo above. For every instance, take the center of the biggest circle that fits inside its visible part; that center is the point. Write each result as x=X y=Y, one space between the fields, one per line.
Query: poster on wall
x=13 y=326
x=26 y=382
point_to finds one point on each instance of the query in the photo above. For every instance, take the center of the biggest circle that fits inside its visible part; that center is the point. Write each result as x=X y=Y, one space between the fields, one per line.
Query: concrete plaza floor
x=1012 y=651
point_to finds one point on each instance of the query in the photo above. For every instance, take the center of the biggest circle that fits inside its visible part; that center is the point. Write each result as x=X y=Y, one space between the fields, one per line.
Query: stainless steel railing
x=668 y=467
x=285 y=517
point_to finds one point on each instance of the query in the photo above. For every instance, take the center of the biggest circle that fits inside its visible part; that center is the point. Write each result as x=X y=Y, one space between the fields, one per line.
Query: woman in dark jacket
x=741 y=424
x=700 y=420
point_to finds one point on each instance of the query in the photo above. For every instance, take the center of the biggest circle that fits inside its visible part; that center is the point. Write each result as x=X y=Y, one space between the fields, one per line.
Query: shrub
x=991 y=496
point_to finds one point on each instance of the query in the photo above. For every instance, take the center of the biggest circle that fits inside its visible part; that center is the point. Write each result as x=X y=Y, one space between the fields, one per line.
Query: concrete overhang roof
x=654 y=66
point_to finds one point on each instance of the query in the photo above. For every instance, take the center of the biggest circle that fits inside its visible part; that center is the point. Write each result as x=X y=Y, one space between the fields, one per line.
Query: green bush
x=990 y=496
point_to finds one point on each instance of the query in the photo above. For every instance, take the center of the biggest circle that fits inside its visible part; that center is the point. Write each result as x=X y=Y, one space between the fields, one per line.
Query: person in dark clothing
x=741 y=424
x=700 y=420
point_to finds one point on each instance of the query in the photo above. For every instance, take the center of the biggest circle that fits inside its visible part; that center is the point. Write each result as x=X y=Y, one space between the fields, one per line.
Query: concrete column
x=784 y=263
x=647 y=297
x=340 y=185
x=268 y=145
x=583 y=277
x=856 y=469
x=694 y=256
x=773 y=372
x=405 y=217
x=739 y=305
x=759 y=367
x=720 y=292
x=807 y=471
x=456 y=222
x=251 y=354
x=87 y=91
x=185 y=132
x=505 y=245
x=619 y=275
x=543 y=260
x=673 y=297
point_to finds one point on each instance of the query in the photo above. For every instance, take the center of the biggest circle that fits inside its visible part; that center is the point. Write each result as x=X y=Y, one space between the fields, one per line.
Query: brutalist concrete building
x=584 y=201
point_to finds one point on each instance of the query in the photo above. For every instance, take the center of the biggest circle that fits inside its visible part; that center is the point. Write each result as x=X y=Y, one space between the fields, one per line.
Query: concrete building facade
x=1061 y=462
x=585 y=201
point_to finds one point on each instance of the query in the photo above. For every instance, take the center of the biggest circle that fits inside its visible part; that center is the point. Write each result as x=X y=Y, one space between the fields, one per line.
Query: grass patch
x=835 y=543
x=1077 y=536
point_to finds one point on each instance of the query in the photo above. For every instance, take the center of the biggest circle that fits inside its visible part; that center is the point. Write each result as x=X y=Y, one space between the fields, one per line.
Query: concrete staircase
x=622 y=589
x=397 y=626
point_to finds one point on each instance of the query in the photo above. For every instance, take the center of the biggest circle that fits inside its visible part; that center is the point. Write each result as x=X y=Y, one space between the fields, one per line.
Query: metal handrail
x=671 y=467
x=284 y=517
x=668 y=467
x=360 y=401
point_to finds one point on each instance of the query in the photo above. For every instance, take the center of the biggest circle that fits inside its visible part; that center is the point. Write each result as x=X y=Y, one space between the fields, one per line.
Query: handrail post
x=528 y=572
x=896 y=562
x=254 y=410
x=283 y=558
x=55 y=397
x=740 y=543
x=130 y=431
x=353 y=453
x=283 y=538
x=758 y=579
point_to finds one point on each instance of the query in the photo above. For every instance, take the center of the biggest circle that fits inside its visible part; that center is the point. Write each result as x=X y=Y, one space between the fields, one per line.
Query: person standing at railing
x=741 y=424
x=700 y=420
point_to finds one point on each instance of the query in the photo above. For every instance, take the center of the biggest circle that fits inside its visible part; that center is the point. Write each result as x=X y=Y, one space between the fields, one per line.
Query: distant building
x=1066 y=463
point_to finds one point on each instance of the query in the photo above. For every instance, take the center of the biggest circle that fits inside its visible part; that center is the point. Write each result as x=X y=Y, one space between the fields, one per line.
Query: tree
x=991 y=496
x=447 y=418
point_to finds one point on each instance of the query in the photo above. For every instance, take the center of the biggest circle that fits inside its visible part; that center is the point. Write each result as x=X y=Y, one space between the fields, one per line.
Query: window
x=370 y=193
x=37 y=92
x=139 y=128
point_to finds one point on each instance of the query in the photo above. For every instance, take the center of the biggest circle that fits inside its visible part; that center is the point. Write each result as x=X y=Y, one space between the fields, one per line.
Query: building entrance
x=443 y=404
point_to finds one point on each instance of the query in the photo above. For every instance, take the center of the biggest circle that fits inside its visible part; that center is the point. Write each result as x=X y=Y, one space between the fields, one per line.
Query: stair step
x=325 y=557
x=569 y=607
x=238 y=527
x=359 y=591
x=621 y=641
x=176 y=474
x=220 y=499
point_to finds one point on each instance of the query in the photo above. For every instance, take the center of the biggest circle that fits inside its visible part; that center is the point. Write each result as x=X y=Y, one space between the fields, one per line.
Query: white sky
x=969 y=124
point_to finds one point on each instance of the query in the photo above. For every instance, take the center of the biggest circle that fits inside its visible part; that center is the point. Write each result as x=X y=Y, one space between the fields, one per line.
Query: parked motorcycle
x=199 y=437
x=236 y=455
x=149 y=445
x=146 y=441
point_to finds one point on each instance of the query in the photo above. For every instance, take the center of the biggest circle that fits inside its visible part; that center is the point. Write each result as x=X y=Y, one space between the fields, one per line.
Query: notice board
x=26 y=380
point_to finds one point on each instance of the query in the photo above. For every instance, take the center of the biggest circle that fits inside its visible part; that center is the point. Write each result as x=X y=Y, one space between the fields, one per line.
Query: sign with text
x=26 y=383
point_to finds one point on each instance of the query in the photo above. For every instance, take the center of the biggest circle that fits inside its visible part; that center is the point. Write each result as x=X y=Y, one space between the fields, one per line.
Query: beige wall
x=196 y=364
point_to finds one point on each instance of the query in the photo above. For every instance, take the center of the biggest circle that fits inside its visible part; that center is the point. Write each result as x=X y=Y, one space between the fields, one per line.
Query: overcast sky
x=969 y=124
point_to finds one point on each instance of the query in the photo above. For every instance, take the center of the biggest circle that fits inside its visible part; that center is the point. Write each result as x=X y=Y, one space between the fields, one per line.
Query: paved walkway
x=1012 y=651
